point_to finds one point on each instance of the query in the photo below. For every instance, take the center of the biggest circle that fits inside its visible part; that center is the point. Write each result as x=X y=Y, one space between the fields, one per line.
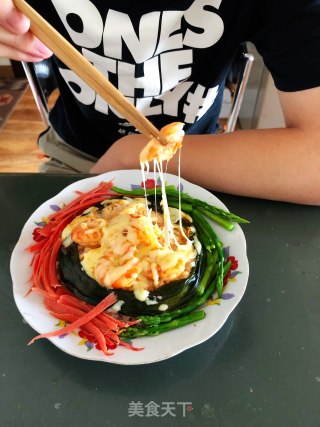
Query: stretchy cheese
x=158 y=153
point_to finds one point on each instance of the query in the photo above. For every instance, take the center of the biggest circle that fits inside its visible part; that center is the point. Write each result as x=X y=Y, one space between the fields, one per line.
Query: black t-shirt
x=169 y=58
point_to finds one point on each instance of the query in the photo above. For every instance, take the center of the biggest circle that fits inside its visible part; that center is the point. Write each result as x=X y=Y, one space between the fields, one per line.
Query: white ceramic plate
x=155 y=348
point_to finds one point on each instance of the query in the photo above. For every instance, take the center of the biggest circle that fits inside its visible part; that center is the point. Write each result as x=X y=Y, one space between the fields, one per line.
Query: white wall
x=268 y=112
x=261 y=106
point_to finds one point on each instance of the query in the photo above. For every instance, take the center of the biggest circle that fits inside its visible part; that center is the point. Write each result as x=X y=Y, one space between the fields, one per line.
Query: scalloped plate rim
x=155 y=348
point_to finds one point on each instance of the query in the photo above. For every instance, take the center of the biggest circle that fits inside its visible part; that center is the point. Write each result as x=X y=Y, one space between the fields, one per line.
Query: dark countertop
x=261 y=369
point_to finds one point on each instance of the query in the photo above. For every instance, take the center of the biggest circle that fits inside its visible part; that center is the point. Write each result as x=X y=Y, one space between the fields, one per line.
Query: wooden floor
x=18 y=139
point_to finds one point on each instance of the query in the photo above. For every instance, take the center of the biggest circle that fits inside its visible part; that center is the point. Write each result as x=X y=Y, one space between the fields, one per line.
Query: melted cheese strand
x=165 y=209
x=144 y=167
x=155 y=189
x=179 y=195
x=159 y=153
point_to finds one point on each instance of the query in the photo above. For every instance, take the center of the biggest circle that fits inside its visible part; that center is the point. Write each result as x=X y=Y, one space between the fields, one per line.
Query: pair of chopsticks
x=86 y=71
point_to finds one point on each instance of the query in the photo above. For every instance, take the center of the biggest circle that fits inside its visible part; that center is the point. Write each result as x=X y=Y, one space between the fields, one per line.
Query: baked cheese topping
x=123 y=246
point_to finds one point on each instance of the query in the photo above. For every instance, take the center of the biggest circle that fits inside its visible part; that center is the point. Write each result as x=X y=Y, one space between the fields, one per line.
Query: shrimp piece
x=180 y=238
x=127 y=253
x=88 y=233
x=110 y=274
x=113 y=207
x=172 y=273
x=153 y=274
x=136 y=210
x=157 y=218
x=169 y=265
x=127 y=280
x=154 y=150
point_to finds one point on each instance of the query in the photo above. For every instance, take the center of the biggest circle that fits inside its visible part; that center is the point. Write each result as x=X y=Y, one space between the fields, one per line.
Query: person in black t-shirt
x=170 y=60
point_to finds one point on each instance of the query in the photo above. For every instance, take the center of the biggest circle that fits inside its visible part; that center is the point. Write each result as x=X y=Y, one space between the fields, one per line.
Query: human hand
x=16 y=40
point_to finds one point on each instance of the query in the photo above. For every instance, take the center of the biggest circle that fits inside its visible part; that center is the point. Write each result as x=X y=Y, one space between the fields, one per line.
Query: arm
x=16 y=41
x=277 y=164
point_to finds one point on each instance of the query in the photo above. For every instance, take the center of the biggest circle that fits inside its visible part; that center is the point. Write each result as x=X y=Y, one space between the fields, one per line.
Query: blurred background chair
x=236 y=84
x=42 y=83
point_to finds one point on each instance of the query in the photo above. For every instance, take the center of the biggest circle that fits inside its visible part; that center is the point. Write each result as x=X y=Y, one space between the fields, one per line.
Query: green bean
x=153 y=330
x=221 y=216
x=218 y=219
x=200 y=219
x=220 y=213
x=185 y=207
x=141 y=191
x=192 y=305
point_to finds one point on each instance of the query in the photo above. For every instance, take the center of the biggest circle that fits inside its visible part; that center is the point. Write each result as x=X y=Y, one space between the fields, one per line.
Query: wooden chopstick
x=86 y=71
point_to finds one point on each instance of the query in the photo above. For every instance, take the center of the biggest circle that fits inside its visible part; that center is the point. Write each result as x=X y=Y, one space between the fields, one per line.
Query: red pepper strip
x=102 y=196
x=119 y=322
x=109 y=321
x=56 y=231
x=110 y=325
x=46 y=230
x=46 y=249
x=73 y=302
x=44 y=261
x=43 y=277
x=104 y=317
x=52 y=264
x=42 y=292
x=61 y=311
x=89 y=328
x=101 y=191
x=87 y=200
x=35 y=263
x=115 y=337
x=85 y=335
x=93 y=330
x=106 y=302
x=40 y=254
x=66 y=317
x=36 y=247
x=51 y=303
x=126 y=344
x=103 y=186
x=78 y=209
x=37 y=236
x=110 y=344
x=62 y=291
x=104 y=329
